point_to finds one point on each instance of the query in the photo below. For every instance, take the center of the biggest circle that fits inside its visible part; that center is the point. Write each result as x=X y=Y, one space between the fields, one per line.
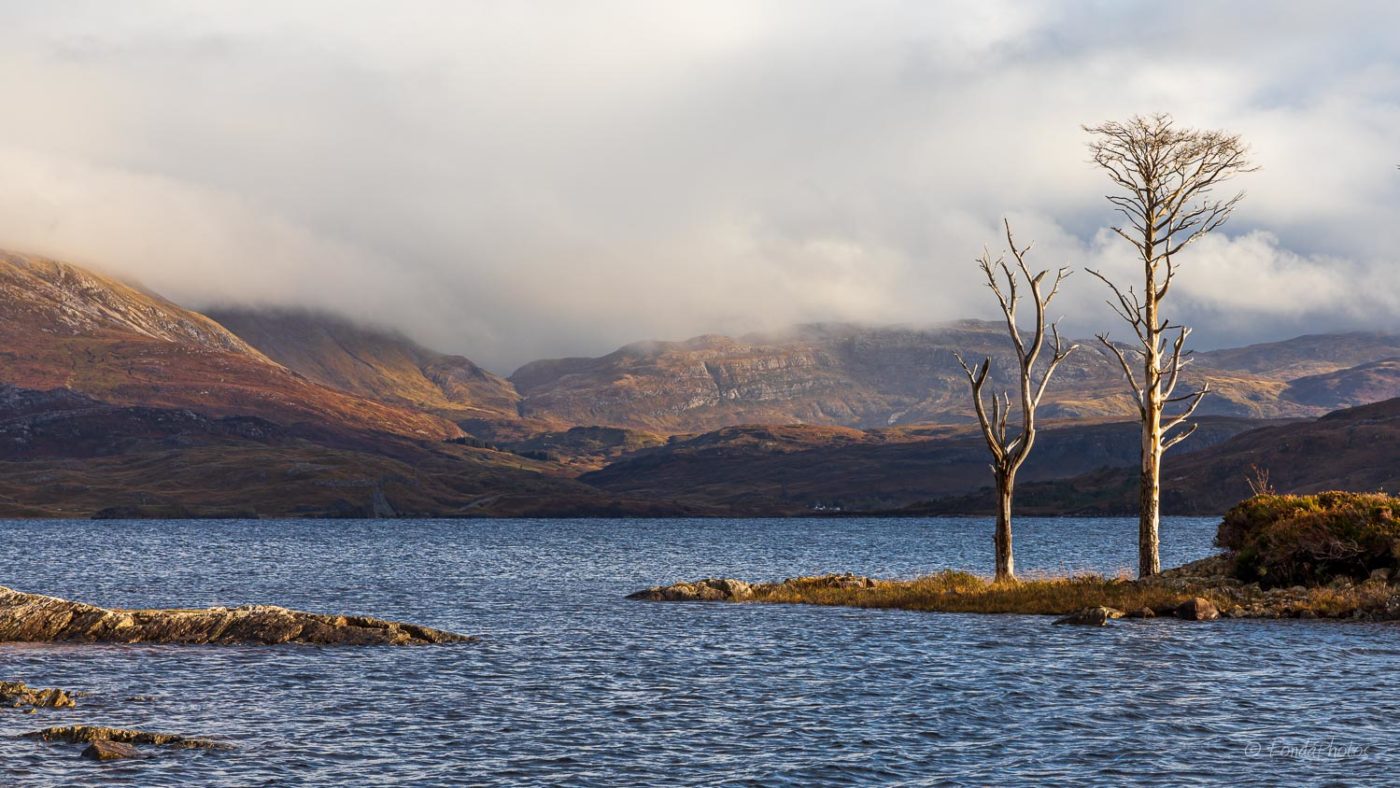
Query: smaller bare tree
x=1009 y=451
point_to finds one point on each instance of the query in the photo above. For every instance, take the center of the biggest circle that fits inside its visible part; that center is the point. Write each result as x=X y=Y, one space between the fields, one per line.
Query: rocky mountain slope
x=866 y=377
x=62 y=326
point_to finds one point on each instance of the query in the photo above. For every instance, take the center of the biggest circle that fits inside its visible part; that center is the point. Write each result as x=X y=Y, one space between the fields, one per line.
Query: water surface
x=573 y=684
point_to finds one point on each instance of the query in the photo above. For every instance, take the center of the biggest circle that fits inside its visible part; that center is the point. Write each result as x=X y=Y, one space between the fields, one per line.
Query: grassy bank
x=1332 y=555
x=961 y=592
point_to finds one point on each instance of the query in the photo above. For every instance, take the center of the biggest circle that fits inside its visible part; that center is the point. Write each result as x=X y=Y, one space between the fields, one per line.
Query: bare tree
x=1165 y=178
x=1010 y=451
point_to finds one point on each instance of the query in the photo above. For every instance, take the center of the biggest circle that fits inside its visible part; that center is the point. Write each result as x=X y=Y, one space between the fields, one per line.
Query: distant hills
x=115 y=401
x=866 y=377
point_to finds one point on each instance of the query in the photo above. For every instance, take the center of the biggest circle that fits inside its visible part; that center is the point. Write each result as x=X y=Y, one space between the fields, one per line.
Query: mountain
x=1358 y=385
x=115 y=401
x=869 y=377
x=376 y=364
x=1311 y=354
x=800 y=468
x=62 y=326
x=1350 y=449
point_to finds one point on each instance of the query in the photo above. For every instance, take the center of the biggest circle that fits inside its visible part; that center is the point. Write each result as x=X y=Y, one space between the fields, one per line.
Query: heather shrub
x=1284 y=540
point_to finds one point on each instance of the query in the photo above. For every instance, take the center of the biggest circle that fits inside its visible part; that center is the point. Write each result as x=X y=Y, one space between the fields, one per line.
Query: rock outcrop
x=17 y=693
x=79 y=734
x=36 y=618
x=1091 y=617
x=1197 y=609
x=727 y=589
x=711 y=589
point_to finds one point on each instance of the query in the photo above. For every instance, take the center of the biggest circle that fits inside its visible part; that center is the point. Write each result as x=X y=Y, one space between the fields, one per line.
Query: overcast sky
x=512 y=180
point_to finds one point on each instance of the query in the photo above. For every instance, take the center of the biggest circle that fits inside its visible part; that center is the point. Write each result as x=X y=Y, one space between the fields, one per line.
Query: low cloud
x=518 y=180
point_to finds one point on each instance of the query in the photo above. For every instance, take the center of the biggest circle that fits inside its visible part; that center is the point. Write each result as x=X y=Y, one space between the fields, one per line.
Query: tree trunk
x=1006 y=561
x=1150 y=488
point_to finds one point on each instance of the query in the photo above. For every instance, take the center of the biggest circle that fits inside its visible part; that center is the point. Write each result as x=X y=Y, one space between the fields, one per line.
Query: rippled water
x=573 y=684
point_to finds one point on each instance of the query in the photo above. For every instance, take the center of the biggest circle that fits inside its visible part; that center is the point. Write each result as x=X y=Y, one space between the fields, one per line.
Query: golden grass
x=962 y=592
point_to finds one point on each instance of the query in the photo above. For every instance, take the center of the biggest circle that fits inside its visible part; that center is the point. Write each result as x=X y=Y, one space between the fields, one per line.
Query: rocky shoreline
x=34 y=618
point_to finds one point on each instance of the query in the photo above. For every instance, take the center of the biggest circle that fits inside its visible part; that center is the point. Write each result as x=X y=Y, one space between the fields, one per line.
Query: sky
x=516 y=180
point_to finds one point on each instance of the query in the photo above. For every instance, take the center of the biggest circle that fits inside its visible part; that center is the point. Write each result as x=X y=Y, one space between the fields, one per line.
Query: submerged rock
x=1197 y=609
x=107 y=750
x=1091 y=617
x=17 y=693
x=78 y=734
x=45 y=619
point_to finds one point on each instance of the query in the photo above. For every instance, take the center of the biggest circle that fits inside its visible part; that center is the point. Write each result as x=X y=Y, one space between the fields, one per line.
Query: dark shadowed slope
x=63 y=454
x=797 y=469
x=1352 y=449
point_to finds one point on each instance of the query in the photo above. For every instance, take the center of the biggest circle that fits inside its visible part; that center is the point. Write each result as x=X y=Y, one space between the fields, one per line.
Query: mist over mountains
x=530 y=183
x=117 y=402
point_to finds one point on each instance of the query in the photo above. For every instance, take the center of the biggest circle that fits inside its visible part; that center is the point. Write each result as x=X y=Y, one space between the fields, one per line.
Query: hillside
x=1359 y=385
x=1351 y=449
x=798 y=469
x=63 y=454
x=866 y=377
x=376 y=364
x=62 y=326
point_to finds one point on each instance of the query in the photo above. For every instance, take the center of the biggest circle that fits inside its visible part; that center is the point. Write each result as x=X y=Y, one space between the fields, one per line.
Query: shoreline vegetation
x=1332 y=555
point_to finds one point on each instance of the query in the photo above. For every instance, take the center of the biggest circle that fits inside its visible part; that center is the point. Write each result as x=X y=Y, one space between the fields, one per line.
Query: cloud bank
x=512 y=180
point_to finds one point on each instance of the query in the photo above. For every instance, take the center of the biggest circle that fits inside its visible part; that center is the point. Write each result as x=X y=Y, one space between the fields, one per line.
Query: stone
x=107 y=750
x=1237 y=612
x=33 y=618
x=1197 y=609
x=713 y=589
x=1305 y=613
x=78 y=734
x=1091 y=617
x=19 y=694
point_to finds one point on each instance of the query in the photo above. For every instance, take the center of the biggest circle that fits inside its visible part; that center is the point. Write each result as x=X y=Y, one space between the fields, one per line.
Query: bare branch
x=1165 y=178
x=1127 y=369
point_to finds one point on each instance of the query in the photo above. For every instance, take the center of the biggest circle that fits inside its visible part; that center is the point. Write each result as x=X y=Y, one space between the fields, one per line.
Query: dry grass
x=962 y=592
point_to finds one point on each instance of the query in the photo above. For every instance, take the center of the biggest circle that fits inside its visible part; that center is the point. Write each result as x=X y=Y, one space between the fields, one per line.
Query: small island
x=1332 y=555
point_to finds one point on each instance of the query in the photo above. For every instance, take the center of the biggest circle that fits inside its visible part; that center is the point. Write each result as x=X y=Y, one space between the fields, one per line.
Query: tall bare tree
x=1165 y=177
x=1010 y=450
